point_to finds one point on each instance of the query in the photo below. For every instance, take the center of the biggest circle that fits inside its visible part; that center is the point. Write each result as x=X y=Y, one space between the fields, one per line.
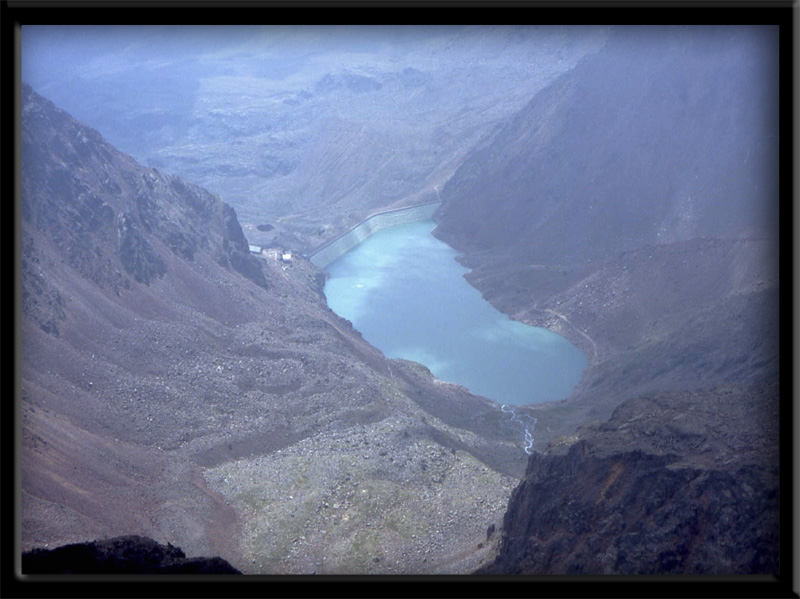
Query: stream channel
x=403 y=289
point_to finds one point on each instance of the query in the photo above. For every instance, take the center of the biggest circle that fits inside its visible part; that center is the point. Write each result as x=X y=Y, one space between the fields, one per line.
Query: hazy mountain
x=667 y=134
x=632 y=206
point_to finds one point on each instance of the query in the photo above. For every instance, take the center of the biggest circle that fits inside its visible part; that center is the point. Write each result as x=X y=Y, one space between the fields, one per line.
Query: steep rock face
x=95 y=199
x=136 y=254
x=121 y=555
x=663 y=487
x=165 y=394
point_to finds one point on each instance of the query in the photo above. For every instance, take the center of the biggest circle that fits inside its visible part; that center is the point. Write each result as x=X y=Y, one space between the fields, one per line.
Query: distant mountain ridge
x=307 y=128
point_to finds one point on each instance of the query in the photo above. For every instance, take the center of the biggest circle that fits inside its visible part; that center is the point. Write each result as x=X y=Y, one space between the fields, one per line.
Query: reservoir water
x=404 y=291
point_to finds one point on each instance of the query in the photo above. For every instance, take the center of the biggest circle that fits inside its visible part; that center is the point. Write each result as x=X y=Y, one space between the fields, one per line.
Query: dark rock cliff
x=120 y=555
x=665 y=486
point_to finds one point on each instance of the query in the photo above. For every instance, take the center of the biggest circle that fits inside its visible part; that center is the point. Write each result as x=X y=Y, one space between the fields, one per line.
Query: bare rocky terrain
x=664 y=486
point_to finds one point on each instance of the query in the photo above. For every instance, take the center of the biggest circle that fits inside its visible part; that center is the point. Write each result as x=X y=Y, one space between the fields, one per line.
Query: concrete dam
x=331 y=250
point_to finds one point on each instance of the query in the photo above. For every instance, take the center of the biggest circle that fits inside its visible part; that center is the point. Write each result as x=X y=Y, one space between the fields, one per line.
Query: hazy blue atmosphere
x=276 y=118
x=404 y=291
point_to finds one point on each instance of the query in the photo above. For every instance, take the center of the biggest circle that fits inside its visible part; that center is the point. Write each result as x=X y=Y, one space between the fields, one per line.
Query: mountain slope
x=176 y=387
x=632 y=207
x=664 y=135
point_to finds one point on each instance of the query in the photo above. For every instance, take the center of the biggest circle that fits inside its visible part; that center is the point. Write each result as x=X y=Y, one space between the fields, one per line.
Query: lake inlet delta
x=404 y=291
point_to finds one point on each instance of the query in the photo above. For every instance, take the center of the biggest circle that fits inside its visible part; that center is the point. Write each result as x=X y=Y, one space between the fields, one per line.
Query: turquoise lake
x=404 y=291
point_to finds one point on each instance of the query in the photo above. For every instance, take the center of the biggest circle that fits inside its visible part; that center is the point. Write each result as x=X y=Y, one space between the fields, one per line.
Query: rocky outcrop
x=120 y=555
x=136 y=254
x=666 y=486
x=95 y=199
